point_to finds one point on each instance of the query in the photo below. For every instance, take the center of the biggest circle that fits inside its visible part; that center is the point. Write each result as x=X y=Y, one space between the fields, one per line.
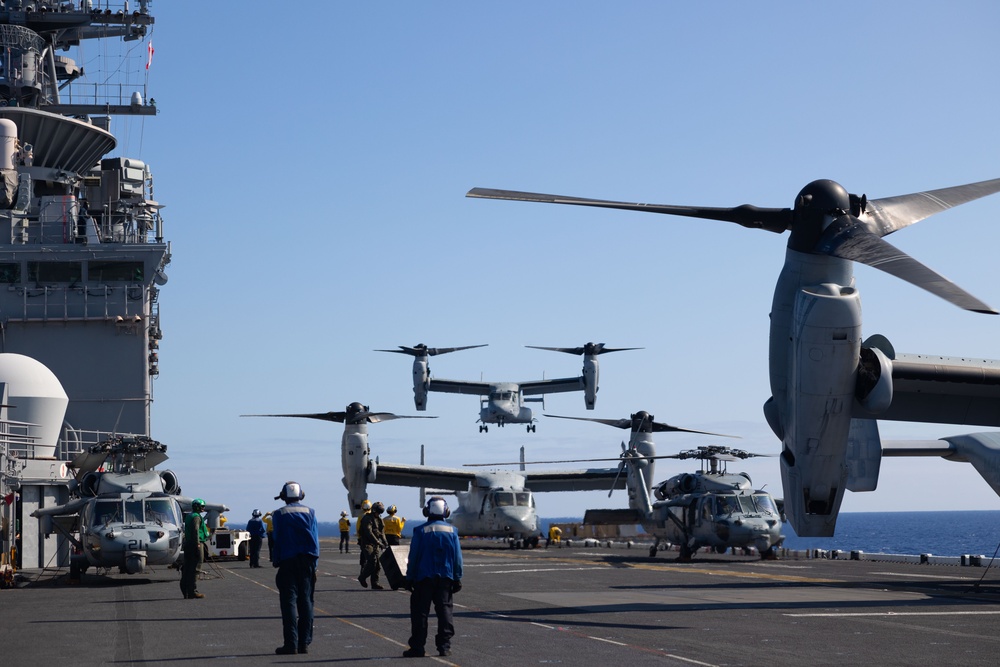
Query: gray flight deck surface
x=573 y=606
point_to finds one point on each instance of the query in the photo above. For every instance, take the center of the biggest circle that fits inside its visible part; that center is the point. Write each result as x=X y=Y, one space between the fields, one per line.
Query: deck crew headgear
x=197 y=505
x=436 y=506
x=291 y=492
x=255 y=514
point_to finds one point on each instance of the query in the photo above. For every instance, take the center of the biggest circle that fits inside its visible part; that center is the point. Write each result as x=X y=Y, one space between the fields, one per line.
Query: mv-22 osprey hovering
x=828 y=385
x=491 y=504
x=502 y=403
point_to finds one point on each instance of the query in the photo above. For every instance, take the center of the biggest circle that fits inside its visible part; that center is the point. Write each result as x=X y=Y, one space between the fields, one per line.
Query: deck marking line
x=901 y=613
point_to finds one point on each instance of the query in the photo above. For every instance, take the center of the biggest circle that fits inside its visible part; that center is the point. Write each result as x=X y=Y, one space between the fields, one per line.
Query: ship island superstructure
x=82 y=252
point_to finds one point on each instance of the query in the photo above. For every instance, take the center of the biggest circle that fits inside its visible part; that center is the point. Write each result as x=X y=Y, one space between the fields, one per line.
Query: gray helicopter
x=503 y=403
x=126 y=514
x=828 y=385
x=709 y=508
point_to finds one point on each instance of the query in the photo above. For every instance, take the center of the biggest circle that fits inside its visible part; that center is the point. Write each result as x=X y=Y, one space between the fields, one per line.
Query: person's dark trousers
x=425 y=592
x=255 y=543
x=295 y=581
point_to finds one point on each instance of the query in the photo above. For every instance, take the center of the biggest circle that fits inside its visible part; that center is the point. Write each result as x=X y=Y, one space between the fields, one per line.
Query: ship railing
x=102 y=94
x=124 y=304
x=63 y=227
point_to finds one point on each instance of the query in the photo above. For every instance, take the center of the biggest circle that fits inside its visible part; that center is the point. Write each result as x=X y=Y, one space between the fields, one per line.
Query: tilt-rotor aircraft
x=496 y=503
x=503 y=403
x=828 y=385
x=492 y=504
x=353 y=445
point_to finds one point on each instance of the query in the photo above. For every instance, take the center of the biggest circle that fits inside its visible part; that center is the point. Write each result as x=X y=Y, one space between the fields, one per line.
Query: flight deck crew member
x=555 y=535
x=345 y=533
x=371 y=537
x=195 y=536
x=393 y=526
x=433 y=574
x=296 y=550
x=269 y=527
x=366 y=507
x=255 y=526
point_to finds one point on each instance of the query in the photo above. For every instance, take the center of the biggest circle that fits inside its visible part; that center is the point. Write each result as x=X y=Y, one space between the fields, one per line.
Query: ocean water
x=971 y=532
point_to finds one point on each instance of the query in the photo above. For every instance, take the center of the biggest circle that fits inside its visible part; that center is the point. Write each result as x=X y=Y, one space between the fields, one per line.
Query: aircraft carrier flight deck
x=570 y=605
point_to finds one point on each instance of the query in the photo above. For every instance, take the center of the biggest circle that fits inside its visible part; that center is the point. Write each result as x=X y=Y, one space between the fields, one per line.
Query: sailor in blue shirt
x=296 y=550
x=433 y=574
x=255 y=526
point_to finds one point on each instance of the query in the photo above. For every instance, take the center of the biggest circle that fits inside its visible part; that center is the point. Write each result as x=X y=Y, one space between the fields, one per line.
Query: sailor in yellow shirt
x=555 y=535
x=393 y=526
x=345 y=533
x=269 y=527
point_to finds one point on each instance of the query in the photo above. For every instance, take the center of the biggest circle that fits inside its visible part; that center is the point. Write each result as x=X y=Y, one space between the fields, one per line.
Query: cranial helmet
x=392 y=509
x=343 y=514
x=197 y=505
x=377 y=508
x=255 y=514
x=366 y=505
x=436 y=506
x=291 y=492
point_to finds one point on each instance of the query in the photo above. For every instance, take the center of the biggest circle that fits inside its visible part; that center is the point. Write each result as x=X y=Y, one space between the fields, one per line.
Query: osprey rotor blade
x=771 y=219
x=894 y=213
x=848 y=238
x=325 y=416
x=421 y=350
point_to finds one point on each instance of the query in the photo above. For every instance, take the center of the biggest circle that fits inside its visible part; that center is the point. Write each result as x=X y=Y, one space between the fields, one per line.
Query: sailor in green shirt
x=195 y=535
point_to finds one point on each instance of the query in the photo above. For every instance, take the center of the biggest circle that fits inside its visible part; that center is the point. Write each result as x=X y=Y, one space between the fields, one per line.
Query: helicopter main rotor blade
x=775 y=220
x=657 y=427
x=848 y=238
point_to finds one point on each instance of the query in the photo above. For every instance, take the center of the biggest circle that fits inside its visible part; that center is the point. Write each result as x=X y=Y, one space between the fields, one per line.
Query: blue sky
x=314 y=163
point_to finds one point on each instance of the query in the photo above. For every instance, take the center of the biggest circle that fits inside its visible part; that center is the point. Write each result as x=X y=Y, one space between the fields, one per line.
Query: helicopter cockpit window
x=106 y=511
x=746 y=505
x=523 y=499
x=160 y=510
x=728 y=504
x=504 y=499
x=133 y=511
x=765 y=503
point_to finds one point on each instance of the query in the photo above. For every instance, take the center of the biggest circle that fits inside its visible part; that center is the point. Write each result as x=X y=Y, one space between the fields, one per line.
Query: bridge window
x=110 y=272
x=10 y=272
x=55 y=272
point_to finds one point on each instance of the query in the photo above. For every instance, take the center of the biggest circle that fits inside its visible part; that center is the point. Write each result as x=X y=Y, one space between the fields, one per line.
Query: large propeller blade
x=772 y=219
x=704 y=453
x=589 y=348
x=356 y=413
x=643 y=422
x=857 y=243
x=421 y=350
x=826 y=220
